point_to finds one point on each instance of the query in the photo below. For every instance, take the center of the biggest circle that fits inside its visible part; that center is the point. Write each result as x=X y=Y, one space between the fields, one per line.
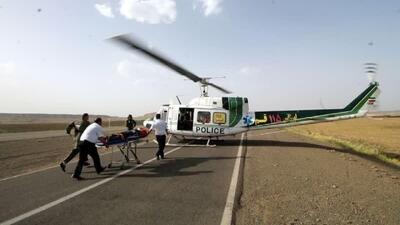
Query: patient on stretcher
x=126 y=136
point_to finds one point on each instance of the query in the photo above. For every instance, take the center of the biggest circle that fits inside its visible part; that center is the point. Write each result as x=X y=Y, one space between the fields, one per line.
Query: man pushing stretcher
x=93 y=133
x=93 y=136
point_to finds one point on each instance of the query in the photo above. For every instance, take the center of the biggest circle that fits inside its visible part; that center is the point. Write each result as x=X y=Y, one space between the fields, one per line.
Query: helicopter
x=213 y=117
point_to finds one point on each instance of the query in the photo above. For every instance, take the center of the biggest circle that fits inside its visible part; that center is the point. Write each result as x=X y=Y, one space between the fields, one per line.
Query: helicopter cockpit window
x=203 y=117
x=219 y=118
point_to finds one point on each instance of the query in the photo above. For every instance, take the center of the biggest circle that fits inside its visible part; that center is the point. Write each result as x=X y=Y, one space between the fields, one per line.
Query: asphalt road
x=287 y=179
x=189 y=187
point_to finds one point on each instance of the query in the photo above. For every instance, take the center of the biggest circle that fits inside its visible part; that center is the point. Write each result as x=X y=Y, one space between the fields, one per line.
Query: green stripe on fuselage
x=235 y=110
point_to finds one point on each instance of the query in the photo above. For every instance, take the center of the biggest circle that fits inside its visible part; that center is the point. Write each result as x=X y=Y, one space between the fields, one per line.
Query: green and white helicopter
x=214 y=117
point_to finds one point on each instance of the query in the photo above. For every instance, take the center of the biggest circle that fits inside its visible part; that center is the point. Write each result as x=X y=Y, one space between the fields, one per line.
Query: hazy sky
x=281 y=54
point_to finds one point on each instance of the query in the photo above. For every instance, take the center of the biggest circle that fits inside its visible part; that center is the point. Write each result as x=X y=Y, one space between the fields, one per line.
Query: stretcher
x=126 y=143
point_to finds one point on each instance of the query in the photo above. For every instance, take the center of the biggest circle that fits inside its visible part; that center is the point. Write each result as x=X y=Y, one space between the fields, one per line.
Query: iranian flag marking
x=371 y=100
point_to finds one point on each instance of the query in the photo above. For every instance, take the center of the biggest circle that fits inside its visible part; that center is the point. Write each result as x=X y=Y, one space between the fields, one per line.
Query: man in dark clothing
x=87 y=146
x=84 y=124
x=130 y=122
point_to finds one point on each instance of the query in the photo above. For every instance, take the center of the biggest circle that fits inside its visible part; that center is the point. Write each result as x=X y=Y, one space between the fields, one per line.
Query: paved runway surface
x=189 y=187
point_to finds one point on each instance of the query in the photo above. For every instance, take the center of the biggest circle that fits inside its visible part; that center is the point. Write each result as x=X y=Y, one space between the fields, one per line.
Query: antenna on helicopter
x=136 y=45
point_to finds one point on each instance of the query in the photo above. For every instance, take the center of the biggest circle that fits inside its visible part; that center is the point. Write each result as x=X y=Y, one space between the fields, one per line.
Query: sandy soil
x=21 y=156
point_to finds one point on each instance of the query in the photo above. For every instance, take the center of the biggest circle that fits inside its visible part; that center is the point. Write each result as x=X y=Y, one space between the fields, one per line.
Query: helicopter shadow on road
x=169 y=167
x=176 y=166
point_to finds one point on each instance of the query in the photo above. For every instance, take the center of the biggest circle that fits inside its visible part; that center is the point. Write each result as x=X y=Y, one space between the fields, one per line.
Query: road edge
x=236 y=185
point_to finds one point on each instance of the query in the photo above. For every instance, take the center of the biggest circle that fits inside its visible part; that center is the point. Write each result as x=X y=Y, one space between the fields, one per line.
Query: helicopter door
x=185 y=119
x=164 y=114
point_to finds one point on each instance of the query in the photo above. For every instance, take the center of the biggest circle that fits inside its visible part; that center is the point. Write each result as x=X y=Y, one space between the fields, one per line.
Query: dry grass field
x=379 y=137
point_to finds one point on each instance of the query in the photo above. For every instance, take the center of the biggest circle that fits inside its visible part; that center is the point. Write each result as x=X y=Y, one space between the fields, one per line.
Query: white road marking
x=230 y=199
x=51 y=167
x=74 y=194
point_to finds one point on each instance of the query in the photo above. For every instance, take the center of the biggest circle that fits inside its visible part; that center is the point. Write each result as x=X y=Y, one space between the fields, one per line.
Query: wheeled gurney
x=126 y=142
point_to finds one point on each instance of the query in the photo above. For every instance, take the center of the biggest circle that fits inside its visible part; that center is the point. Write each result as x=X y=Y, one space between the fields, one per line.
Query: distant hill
x=22 y=118
x=27 y=122
x=38 y=118
x=145 y=116
x=384 y=114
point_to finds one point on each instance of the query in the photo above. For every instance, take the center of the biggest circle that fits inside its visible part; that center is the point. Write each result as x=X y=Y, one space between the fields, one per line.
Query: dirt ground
x=382 y=133
x=22 y=156
x=292 y=179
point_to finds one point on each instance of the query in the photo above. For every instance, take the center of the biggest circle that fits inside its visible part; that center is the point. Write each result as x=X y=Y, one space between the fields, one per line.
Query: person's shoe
x=77 y=177
x=62 y=165
x=86 y=163
x=101 y=170
x=158 y=157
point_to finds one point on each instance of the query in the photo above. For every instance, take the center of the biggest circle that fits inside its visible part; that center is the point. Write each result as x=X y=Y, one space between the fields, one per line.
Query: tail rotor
x=371 y=69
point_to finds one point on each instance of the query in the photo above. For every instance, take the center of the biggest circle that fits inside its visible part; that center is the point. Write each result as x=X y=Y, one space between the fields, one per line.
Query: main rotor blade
x=219 y=88
x=136 y=45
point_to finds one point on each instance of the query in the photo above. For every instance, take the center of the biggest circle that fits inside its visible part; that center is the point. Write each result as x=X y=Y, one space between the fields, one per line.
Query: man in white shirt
x=160 y=129
x=88 y=139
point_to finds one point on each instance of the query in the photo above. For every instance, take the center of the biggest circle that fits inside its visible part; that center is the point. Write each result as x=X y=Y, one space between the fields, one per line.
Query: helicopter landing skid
x=189 y=145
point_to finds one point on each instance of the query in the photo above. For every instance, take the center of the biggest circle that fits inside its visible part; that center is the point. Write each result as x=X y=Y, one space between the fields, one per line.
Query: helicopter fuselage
x=206 y=117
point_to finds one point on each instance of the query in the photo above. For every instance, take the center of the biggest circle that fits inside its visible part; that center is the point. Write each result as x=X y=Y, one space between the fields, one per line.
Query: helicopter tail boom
x=356 y=108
